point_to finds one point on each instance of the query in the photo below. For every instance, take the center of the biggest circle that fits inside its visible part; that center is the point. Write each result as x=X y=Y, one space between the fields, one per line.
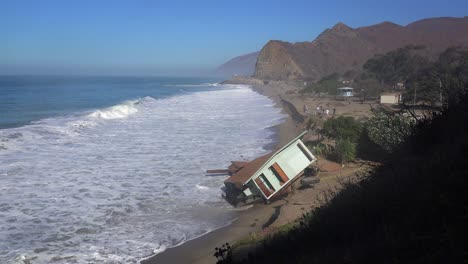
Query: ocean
x=112 y=169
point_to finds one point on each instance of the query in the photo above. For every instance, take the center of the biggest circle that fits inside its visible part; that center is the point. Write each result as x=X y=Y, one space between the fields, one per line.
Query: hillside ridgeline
x=343 y=49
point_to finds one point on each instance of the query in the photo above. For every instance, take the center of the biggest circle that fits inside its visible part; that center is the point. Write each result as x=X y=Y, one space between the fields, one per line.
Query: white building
x=390 y=98
x=345 y=92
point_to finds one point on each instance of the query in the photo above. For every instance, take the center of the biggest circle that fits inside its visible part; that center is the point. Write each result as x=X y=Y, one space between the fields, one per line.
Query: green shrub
x=320 y=149
x=342 y=127
x=388 y=130
x=345 y=150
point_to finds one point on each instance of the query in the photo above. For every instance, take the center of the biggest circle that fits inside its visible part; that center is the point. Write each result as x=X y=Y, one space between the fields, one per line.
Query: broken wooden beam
x=217 y=171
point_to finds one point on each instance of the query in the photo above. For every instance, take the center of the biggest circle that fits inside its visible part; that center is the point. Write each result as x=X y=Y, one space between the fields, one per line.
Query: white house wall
x=272 y=178
x=389 y=99
x=291 y=160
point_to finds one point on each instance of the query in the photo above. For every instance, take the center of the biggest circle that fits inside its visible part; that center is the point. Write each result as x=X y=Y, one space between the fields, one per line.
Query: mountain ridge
x=342 y=48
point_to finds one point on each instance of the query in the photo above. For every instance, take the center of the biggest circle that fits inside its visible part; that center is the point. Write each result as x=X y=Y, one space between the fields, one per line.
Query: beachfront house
x=390 y=98
x=269 y=175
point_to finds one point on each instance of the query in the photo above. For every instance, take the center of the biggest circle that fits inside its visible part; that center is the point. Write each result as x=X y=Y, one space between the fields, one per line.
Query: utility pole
x=440 y=91
x=414 y=99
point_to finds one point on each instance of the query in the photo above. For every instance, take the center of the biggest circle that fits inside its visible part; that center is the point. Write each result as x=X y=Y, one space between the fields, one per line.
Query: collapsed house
x=268 y=176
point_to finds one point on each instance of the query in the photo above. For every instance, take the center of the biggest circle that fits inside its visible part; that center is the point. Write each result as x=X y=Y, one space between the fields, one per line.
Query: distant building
x=345 y=92
x=269 y=175
x=390 y=98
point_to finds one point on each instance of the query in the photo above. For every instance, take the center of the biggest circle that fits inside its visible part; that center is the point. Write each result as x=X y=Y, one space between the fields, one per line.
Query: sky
x=151 y=37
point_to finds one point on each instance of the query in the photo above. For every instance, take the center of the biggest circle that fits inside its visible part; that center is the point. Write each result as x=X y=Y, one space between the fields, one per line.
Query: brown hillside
x=342 y=48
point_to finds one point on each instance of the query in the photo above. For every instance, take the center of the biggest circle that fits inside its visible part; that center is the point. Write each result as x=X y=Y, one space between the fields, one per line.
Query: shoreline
x=263 y=219
x=290 y=127
x=251 y=220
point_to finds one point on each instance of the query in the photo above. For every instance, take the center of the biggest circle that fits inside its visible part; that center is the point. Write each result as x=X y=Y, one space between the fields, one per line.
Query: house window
x=279 y=173
x=281 y=181
x=304 y=151
x=266 y=182
x=264 y=185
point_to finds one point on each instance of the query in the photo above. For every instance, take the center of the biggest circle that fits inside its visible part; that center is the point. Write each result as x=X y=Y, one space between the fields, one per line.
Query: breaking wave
x=120 y=111
x=193 y=85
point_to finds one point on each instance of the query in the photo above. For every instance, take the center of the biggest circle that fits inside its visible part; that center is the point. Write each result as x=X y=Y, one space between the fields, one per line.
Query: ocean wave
x=117 y=111
x=193 y=85
x=62 y=128
x=122 y=110
x=201 y=187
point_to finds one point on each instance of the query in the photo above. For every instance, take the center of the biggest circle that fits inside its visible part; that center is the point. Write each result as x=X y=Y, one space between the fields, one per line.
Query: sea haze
x=112 y=169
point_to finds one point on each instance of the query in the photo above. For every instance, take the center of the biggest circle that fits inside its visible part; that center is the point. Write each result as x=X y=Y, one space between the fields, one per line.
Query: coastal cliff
x=342 y=49
x=240 y=65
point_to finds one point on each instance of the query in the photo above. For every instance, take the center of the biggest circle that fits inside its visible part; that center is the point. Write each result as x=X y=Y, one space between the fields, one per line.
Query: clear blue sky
x=168 y=37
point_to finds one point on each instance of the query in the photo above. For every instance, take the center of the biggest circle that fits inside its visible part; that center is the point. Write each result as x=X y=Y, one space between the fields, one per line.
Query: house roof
x=345 y=88
x=249 y=170
x=389 y=93
x=236 y=166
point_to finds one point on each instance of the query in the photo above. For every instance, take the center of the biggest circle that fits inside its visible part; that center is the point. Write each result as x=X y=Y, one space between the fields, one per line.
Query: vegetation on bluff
x=327 y=84
x=435 y=82
x=346 y=132
x=421 y=79
x=411 y=208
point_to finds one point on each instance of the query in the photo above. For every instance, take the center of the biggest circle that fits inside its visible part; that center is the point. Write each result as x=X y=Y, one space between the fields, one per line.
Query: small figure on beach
x=306 y=109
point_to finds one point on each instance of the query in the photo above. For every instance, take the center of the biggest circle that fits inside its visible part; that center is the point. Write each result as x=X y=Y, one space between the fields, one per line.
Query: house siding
x=291 y=160
x=272 y=178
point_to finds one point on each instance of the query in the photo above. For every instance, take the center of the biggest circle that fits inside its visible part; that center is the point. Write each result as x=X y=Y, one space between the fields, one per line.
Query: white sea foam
x=200 y=187
x=193 y=85
x=118 y=111
x=126 y=182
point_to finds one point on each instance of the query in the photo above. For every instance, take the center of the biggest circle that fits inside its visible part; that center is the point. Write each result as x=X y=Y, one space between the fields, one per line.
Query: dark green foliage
x=327 y=84
x=320 y=149
x=389 y=129
x=395 y=66
x=366 y=149
x=371 y=88
x=430 y=82
x=345 y=150
x=342 y=127
x=223 y=254
x=452 y=72
x=442 y=82
x=412 y=209
x=423 y=86
x=346 y=131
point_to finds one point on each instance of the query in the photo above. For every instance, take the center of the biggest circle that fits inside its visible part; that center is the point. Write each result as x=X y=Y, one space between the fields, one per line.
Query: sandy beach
x=262 y=219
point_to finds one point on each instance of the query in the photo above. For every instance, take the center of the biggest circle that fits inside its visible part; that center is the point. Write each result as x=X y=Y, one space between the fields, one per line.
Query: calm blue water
x=112 y=170
x=29 y=98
